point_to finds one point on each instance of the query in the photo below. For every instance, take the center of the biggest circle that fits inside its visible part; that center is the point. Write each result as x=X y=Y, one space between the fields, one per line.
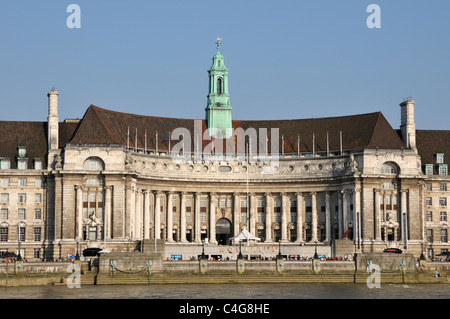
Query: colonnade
x=150 y=214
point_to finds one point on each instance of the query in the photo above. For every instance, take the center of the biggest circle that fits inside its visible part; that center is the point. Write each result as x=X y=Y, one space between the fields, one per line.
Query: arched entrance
x=223 y=231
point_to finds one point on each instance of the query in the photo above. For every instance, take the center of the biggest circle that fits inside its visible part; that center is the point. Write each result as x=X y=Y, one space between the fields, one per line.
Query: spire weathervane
x=218 y=42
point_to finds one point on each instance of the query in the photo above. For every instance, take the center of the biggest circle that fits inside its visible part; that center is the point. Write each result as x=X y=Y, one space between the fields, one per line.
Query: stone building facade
x=108 y=181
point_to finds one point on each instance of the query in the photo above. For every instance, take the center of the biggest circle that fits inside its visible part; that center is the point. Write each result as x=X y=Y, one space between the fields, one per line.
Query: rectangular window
x=429 y=235
x=202 y=203
x=22 y=213
x=4 y=198
x=22 y=182
x=440 y=158
x=85 y=212
x=92 y=197
x=261 y=217
x=429 y=188
x=443 y=187
x=243 y=202
x=5 y=163
x=428 y=169
x=278 y=217
x=444 y=237
x=3 y=234
x=243 y=217
x=37 y=213
x=37 y=163
x=5 y=182
x=188 y=202
x=37 y=233
x=443 y=169
x=38 y=198
x=92 y=233
x=4 y=213
x=21 y=234
x=293 y=217
x=429 y=216
x=203 y=217
x=85 y=197
x=443 y=201
x=443 y=216
x=223 y=202
x=261 y=202
x=188 y=217
x=428 y=201
x=38 y=182
x=22 y=164
x=22 y=198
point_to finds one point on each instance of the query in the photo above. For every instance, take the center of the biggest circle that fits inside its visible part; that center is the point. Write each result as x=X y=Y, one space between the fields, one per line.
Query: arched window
x=94 y=164
x=219 y=86
x=388 y=169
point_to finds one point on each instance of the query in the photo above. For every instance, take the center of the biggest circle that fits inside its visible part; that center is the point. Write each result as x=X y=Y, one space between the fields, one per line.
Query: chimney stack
x=407 y=125
x=53 y=121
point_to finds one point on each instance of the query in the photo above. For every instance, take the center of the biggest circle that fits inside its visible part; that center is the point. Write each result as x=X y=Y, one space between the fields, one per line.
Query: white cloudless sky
x=287 y=59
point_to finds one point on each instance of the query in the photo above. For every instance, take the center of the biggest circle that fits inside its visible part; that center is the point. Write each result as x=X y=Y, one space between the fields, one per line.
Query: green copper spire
x=218 y=109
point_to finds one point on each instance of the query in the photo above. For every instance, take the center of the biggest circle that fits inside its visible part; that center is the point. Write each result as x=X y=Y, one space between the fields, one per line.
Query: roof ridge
x=376 y=127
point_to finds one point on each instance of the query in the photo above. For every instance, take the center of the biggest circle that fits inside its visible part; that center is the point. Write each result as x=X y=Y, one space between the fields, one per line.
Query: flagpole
x=313 y=146
x=128 y=139
x=298 y=145
x=282 y=146
x=135 y=141
x=340 y=138
x=156 y=141
x=145 y=147
x=328 y=146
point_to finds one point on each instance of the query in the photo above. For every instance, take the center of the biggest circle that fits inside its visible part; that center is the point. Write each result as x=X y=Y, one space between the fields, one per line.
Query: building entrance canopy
x=245 y=235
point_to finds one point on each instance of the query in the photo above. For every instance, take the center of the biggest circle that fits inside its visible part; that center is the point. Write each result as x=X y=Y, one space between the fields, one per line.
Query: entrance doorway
x=223 y=231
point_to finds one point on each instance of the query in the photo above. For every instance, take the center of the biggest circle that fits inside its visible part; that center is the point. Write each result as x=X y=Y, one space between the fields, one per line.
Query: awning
x=245 y=235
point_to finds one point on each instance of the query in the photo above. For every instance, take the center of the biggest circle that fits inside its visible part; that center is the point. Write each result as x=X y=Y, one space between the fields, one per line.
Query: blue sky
x=287 y=59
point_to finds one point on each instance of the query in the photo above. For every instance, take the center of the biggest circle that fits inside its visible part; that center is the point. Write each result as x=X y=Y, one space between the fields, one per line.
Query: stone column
x=169 y=217
x=197 y=218
x=404 y=217
x=212 y=218
x=300 y=212
x=138 y=213
x=314 y=216
x=377 y=215
x=147 y=214
x=157 y=215
x=132 y=212
x=107 y=213
x=345 y=210
x=183 y=218
x=79 y=214
x=340 y=221
x=284 y=219
x=236 y=213
x=268 y=208
x=328 y=217
x=357 y=215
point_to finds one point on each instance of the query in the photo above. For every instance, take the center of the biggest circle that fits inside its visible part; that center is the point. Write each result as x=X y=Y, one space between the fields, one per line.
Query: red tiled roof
x=431 y=142
x=365 y=131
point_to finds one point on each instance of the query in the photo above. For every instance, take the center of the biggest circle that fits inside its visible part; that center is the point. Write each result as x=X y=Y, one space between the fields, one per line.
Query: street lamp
x=77 y=256
x=240 y=250
x=203 y=251
x=279 y=256
x=19 y=257
x=315 y=250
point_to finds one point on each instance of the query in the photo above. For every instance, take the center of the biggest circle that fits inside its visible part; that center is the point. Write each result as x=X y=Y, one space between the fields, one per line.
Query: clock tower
x=218 y=109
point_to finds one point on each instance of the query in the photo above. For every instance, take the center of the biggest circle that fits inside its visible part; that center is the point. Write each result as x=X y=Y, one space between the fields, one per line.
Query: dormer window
x=429 y=169
x=443 y=169
x=37 y=163
x=440 y=158
x=22 y=163
x=388 y=169
x=22 y=152
x=5 y=163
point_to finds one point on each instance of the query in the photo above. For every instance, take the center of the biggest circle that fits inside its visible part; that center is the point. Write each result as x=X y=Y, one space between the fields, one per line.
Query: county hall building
x=112 y=180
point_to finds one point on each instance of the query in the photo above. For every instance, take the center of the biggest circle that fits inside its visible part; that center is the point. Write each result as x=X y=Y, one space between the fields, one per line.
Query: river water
x=231 y=291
